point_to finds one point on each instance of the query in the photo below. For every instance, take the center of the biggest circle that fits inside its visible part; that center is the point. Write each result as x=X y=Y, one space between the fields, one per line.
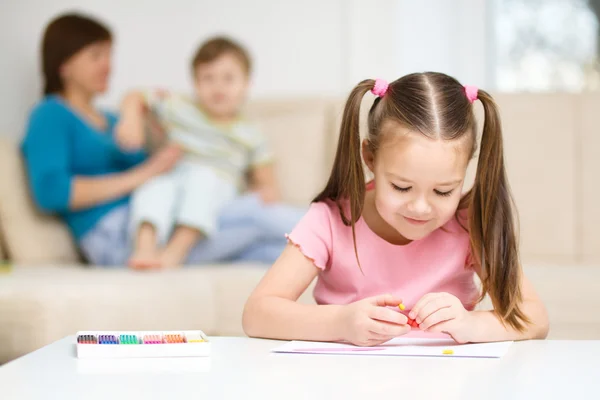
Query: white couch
x=551 y=152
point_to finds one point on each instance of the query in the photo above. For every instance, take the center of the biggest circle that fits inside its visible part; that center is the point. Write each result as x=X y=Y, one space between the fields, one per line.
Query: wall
x=455 y=37
x=303 y=48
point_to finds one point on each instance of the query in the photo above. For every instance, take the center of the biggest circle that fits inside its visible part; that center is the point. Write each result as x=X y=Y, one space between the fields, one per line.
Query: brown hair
x=64 y=37
x=436 y=106
x=218 y=46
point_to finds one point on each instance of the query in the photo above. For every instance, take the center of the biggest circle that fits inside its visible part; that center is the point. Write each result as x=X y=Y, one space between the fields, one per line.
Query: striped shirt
x=231 y=150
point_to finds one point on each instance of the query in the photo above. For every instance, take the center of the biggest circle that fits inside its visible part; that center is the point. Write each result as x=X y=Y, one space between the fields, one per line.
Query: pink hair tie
x=471 y=92
x=380 y=87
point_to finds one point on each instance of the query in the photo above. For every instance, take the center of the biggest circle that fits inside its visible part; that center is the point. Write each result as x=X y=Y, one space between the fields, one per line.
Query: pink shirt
x=437 y=263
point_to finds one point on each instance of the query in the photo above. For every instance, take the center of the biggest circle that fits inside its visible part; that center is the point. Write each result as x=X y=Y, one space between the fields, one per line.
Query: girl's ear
x=368 y=156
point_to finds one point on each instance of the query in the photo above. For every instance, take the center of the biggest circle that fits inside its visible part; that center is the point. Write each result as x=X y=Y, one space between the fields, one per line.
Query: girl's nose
x=419 y=206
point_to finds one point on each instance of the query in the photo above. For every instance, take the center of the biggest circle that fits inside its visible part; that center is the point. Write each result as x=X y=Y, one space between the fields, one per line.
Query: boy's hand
x=443 y=313
x=369 y=322
x=268 y=195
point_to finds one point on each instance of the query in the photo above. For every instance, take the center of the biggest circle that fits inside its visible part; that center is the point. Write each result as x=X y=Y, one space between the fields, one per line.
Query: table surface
x=242 y=368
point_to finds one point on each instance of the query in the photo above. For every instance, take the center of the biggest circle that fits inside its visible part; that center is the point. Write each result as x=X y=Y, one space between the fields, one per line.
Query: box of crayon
x=136 y=344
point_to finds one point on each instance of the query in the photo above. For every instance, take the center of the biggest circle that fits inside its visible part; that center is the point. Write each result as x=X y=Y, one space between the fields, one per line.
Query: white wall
x=300 y=48
x=455 y=37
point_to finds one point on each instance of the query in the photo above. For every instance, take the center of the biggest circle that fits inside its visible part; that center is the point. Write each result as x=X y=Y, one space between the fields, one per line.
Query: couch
x=551 y=151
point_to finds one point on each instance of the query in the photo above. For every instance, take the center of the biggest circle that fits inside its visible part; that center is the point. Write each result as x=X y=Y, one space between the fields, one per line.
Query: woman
x=76 y=169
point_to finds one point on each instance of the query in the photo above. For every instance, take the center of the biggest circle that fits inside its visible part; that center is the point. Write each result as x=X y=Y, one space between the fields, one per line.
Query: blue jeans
x=248 y=231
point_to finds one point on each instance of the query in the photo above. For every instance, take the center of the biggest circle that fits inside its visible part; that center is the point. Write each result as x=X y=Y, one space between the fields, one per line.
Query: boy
x=181 y=207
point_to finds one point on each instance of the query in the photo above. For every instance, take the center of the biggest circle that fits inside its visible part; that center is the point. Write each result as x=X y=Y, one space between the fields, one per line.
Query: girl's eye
x=445 y=194
x=401 y=189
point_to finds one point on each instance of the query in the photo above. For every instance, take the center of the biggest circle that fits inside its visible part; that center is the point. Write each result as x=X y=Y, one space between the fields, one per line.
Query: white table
x=241 y=368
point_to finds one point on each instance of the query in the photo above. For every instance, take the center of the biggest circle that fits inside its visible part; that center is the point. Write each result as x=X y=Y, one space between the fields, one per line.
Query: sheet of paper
x=418 y=347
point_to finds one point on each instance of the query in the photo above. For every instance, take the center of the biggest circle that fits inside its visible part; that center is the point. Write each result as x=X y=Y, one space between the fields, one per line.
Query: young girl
x=408 y=237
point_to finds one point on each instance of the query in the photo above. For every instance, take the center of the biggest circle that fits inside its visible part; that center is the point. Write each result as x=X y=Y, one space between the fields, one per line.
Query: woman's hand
x=443 y=313
x=129 y=133
x=164 y=159
x=369 y=322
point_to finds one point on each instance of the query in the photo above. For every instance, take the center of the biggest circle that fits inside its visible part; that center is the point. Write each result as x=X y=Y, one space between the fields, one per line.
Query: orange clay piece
x=401 y=307
x=173 y=339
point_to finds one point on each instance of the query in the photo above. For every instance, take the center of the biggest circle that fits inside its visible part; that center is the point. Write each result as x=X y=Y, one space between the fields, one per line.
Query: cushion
x=298 y=132
x=3 y=254
x=39 y=305
x=30 y=237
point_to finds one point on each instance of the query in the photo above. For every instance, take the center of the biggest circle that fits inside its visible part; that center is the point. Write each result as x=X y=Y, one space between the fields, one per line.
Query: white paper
x=418 y=347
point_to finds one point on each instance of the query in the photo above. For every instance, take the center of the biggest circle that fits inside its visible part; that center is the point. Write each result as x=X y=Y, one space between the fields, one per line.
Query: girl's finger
x=387 y=315
x=441 y=315
x=442 y=327
x=432 y=306
x=373 y=336
x=385 y=300
x=387 y=329
x=422 y=301
x=377 y=342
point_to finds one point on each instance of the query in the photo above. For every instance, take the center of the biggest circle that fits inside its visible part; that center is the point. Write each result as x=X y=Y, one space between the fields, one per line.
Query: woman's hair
x=64 y=37
x=436 y=106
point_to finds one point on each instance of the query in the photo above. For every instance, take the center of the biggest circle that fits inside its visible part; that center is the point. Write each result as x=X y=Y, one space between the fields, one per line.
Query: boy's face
x=221 y=86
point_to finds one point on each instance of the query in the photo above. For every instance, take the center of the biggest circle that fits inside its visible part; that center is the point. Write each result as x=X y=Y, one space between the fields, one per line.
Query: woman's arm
x=90 y=191
x=46 y=151
x=129 y=132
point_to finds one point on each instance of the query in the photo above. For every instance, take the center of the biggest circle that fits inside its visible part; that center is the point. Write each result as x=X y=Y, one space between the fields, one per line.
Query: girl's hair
x=436 y=106
x=64 y=37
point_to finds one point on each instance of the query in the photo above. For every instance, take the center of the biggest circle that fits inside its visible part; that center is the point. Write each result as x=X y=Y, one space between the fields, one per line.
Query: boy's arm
x=262 y=172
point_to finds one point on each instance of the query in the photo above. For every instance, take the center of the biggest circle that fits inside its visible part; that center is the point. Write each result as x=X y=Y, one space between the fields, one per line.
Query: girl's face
x=418 y=181
x=88 y=69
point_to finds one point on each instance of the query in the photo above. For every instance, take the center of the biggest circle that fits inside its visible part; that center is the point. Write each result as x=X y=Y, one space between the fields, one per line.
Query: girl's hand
x=369 y=322
x=443 y=313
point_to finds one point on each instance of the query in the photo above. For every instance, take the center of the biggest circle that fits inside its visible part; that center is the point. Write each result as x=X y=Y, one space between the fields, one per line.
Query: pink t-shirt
x=437 y=263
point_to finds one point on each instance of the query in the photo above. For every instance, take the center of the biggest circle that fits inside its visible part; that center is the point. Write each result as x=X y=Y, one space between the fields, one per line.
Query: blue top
x=59 y=145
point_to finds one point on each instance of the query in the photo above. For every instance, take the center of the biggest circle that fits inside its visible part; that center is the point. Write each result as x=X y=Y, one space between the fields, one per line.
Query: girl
x=408 y=237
